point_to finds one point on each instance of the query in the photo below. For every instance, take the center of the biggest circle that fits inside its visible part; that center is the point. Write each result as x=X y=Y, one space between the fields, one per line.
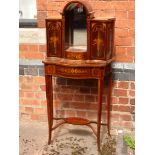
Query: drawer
x=72 y=71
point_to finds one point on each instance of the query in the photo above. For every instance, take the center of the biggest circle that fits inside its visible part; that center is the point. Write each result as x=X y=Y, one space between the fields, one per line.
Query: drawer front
x=72 y=71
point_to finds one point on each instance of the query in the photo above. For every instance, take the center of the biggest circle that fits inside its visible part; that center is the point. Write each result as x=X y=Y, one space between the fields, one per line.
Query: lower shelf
x=76 y=121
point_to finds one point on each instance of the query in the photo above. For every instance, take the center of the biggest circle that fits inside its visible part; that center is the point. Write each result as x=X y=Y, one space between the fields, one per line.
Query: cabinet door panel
x=54 y=37
x=98 y=40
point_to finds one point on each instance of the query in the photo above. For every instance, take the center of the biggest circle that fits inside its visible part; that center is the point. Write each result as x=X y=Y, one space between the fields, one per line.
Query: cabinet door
x=54 y=37
x=98 y=40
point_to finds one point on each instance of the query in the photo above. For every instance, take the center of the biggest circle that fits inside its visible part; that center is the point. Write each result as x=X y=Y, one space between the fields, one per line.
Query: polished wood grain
x=90 y=62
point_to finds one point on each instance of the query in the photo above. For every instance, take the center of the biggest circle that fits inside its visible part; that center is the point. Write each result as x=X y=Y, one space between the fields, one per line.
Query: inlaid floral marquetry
x=98 y=40
x=72 y=71
x=54 y=37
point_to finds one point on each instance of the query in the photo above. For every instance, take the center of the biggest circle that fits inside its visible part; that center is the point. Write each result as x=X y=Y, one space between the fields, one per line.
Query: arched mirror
x=75 y=28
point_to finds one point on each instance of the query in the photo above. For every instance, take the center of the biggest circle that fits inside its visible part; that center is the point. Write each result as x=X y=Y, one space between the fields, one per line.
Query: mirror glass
x=75 y=28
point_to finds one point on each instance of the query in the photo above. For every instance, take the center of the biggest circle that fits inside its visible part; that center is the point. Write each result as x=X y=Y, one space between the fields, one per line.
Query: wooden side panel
x=54 y=37
x=110 y=40
x=98 y=40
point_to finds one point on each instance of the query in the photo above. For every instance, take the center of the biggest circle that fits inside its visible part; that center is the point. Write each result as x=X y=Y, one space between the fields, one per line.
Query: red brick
x=78 y=98
x=41 y=15
x=90 y=98
x=132 y=5
x=131 y=23
x=121 y=14
x=60 y=113
x=21 y=94
x=131 y=32
x=132 y=109
x=51 y=14
x=39 y=80
x=125 y=117
x=81 y=105
x=65 y=104
x=21 y=78
x=41 y=5
x=81 y=113
x=22 y=55
x=114 y=100
x=123 y=85
x=56 y=104
x=84 y=90
x=121 y=32
x=106 y=13
x=123 y=100
x=132 y=93
x=124 y=108
x=36 y=102
x=29 y=94
x=131 y=51
x=40 y=111
x=29 y=109
x=35 y=117
x=67 y=89
x=23 y=48
x=91 y=115
x=120 y=51
x=120 y=92
x=65 y=97
x=25 y=86
x=25 y=116
x=131 y=14
x=55 y=5
x=40 y=95
x=22 y=109
x=122 y=24
x=125 y=41
x=42 y=48
x=121 y=5
x=114 y=117
x=33 y=48
x=43 y=87
x=132 y=85
x=34 y=55
x=28 y=79
x=116 y=124
x=114 y=107
x=30 y=102
x=126 y=124
x=114 y=84
x=102 y=5
x=69 y=113
x=124 y=58
x=43 y=102
x=41 y=23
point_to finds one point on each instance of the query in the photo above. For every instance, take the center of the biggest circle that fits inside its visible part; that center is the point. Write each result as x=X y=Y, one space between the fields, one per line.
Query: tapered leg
x=49 y=96
x=100 y=90
x=109 y=101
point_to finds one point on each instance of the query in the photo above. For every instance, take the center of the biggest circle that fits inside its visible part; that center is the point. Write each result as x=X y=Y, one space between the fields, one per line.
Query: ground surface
x=68 y=140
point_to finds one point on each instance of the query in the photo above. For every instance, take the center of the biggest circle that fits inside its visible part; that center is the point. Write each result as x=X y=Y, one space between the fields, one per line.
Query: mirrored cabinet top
x=78 y=35
x=75 y=28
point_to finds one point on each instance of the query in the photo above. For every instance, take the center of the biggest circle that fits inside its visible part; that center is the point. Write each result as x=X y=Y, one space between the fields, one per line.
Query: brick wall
x=78 y=97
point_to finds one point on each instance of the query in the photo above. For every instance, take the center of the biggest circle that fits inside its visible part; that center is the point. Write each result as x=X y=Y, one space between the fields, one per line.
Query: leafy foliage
x=129 y=141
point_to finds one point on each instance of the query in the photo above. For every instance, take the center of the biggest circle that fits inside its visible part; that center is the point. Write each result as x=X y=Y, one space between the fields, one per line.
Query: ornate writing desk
x=67 y=57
